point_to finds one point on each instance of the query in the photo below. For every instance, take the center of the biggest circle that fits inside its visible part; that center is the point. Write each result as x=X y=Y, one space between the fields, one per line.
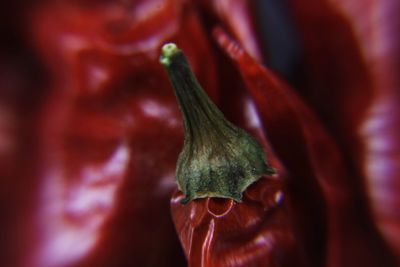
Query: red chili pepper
x=220 y=160
x=110 y=133
x=351 y=80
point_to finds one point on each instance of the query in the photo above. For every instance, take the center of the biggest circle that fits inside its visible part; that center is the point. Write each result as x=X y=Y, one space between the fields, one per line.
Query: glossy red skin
x=292 y=128
x=222 y=232
x=111 y=133
x=351 y=71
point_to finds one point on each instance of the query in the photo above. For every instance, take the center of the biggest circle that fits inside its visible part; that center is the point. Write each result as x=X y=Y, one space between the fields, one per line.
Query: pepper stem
x=218 y=159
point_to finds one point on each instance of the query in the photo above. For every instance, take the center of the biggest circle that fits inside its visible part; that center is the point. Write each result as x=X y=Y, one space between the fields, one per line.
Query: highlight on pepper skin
x=91 y=132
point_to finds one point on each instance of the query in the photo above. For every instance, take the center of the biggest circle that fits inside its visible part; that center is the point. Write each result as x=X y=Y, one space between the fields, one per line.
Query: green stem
x=218 y=159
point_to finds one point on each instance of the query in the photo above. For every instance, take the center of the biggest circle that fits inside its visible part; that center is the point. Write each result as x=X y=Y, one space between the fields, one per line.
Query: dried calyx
x=218 y=159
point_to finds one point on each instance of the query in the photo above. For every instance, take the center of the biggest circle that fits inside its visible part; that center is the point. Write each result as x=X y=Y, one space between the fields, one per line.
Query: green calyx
x=218 y=159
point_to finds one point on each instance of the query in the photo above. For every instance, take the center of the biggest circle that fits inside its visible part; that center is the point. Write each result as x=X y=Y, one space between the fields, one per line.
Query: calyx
x=218 y=159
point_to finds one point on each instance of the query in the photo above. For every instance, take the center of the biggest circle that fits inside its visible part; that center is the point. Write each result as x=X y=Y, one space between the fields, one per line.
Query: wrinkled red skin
x=222 y=232
x=350 y=237
x=351 y=78
x=111 y=133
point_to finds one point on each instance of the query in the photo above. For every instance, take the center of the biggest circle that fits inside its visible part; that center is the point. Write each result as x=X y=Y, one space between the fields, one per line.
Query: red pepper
x=257 y=232
x=110 y=133
x=351 y=80
x=253 y=230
